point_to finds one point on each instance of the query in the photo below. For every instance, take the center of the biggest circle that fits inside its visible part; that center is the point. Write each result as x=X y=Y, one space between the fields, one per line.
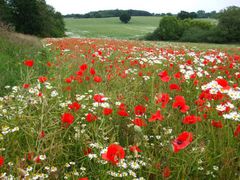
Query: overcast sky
x=153 y=6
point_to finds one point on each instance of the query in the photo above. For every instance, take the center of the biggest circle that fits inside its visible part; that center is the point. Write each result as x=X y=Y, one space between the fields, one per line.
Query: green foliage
x=111 y=27
x=185 y=15
x=229 y=23
x=33 y=17
x=4 y=11
x=125 y=18
x=185 y=29
x=15 y=48
x=169 y=28
x=195 y=34
x=26 y=16
x=109 y=13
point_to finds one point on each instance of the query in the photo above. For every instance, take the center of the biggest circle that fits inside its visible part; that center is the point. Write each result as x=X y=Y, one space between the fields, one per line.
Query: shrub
x=185 y=15
x=229 y=23
x=170 y=28
x=216 y=36
x=32 y=17
x=125 y=18
x=195 y=34
x=153 y=36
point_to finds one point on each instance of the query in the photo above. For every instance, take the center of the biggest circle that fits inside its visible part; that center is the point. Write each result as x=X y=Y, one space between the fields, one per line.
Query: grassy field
x=85 y=108
x=14 y=48
x=112 y=27
x=111 y=109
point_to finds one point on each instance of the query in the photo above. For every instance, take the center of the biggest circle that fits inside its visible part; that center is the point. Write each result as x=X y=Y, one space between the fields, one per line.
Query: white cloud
x=154 y=6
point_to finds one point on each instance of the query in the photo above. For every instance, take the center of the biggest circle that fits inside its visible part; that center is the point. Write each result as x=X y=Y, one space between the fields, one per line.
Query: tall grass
x=40 y=141
x=14 y=49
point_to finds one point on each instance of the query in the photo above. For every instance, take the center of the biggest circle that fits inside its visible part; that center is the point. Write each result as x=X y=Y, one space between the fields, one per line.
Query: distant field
x=112 y=27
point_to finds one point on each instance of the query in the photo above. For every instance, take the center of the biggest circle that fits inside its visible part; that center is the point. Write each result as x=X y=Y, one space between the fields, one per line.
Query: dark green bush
x=195 y=34
x=125 y=18
x=153 y=36
x=32 y=17
x=170 y=28
x=229 y=24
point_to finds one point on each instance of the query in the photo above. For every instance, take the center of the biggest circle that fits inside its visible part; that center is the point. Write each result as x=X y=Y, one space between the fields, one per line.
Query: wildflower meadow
x=118 y=109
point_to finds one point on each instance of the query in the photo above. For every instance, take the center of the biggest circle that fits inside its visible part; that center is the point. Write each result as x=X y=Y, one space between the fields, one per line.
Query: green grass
x=14 y=49
x=113 y=28
x=213 y=153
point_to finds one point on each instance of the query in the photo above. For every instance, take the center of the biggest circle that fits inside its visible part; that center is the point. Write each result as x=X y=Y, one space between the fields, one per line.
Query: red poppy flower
x=182 y=141
x=87 y=151
x=166 y=172
x=98 y=98
x=135 y=149
x=123 y=113
x=237 y=131
x=1 y=161
x=114 y=153
x=223 y=83
x=139 y=110
x=200 y=102
x=177 y=75
x=217 y=124
x=42 y=134
x=83 y=178
x=28 y=63
x=68 y=80
x=74 y=106
x=37 y=159
x=162 y=98
x=164 y=76
x=107 y=111
x=67 y=118
x=92 y=71
x=191 y=119
x=174 y=87
x=122 y=106
x=181 y=104
x=49 y=64
x=91 y=117
x=97 y=79
x=139 y=122
x=83 y=67
x=42 y=79
x=25 y=86
x=30 y=156
x=156 y=117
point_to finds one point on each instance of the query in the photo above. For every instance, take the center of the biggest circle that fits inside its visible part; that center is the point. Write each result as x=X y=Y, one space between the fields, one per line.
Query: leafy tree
x=201 y=14
x=183 y=15
x=35 y=17
x=26 y=16
x=4 y=11
x=52 y=22
x=125 y=17
x=192 y=15
x=229 y=23
x=170 y=28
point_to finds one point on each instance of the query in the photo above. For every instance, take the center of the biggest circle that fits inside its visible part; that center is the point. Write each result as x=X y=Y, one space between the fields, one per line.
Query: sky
x=153 y=6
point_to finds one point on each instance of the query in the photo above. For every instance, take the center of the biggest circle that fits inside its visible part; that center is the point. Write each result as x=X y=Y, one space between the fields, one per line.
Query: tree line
x=131 y=12
x=33 y=17
x=183 y=28
x=109 y=13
